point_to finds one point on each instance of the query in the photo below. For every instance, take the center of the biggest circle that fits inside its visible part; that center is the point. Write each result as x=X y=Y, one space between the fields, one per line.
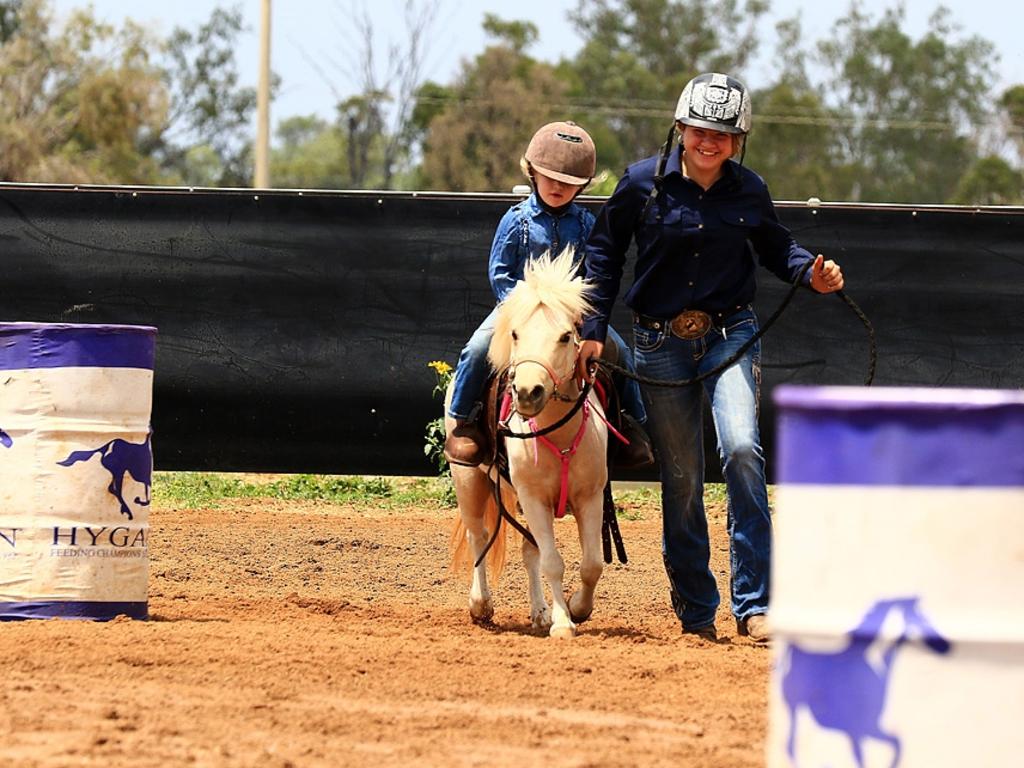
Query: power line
x=626 y=109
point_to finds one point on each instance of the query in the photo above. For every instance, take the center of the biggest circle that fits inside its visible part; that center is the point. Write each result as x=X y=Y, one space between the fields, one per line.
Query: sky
x=313 y=41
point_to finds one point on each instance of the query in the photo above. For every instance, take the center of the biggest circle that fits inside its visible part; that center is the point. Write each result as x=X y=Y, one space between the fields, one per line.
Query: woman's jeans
x=473 y=368
x=675 y=427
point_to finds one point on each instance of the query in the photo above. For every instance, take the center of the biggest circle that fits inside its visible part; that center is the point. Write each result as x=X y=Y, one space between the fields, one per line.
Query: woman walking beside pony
x=702 y=222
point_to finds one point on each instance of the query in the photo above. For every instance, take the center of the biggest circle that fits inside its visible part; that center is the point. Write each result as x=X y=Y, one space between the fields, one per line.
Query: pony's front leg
x=540 y=613
x=588 y=523
x=541 y=523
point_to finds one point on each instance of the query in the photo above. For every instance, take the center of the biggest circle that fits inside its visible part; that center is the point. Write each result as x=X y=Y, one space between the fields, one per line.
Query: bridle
x=557 y=380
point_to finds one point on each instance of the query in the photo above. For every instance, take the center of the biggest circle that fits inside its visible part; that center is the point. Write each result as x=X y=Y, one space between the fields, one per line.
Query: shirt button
x=691 y=283
x=700 y=226
x=696 y=254
x=742 y=220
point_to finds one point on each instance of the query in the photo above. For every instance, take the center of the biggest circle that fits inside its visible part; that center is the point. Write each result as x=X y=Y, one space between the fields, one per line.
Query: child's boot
x=465 y=444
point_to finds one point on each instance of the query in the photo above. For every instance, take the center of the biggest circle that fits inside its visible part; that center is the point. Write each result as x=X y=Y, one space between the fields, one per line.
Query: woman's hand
x=589 y=350
x=826 y=276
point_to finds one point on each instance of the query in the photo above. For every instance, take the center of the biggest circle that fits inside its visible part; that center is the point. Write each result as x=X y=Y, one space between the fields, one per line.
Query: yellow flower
x=440 y=367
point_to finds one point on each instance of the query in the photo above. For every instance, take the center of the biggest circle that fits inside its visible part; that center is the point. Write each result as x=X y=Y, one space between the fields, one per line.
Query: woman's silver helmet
x=717 y=102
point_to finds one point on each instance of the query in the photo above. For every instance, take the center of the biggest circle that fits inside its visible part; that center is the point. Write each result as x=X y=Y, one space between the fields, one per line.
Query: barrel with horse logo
x=76 y=469
x=898 y=578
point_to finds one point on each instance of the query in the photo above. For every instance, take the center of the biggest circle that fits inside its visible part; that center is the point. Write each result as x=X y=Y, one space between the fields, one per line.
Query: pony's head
x=536 y=333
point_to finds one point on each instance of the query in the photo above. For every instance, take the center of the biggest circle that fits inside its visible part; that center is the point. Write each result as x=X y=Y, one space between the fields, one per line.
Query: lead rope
x=872 y=352
x=611 y=526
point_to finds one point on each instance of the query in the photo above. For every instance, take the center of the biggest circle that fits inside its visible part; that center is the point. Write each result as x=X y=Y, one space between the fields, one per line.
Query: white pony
x=537 y=339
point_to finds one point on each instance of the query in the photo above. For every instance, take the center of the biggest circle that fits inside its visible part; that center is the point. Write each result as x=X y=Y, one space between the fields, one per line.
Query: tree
x=377 y=123
x=9 y=10
x=312 y=155
x=790 y=146
x=90 y=103
x=637 y=56
x=990 y=181
x=1012 y=105
x=789 y=143
x=495 y=105
x=77 y=104
x=906 y=108
x=208 y=107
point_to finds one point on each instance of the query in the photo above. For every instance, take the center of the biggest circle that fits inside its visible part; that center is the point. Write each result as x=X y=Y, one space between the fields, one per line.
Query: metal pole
x=262 y=175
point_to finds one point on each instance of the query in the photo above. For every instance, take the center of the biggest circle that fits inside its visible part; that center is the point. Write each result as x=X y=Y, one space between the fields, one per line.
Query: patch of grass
x=207 y=489
x=714 y=493
x=644 y=501
x=637 y=503
x=198 y=489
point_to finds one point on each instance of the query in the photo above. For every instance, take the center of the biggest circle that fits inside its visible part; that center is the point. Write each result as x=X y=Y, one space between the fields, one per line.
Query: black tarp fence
x=295 y=328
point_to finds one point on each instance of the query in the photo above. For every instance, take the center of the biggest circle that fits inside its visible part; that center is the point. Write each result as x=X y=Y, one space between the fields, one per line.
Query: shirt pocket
x=741 y=218
x=671 y=227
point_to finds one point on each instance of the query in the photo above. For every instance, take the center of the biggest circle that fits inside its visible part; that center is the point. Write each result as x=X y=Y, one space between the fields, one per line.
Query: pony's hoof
x=579 y=617
x=564 y=631
x=541 y=619
x=481 y=611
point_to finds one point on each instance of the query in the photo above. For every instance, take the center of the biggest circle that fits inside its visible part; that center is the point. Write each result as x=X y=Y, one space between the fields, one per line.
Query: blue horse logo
x=5 y=439
x=844 y=690
x=118 y=457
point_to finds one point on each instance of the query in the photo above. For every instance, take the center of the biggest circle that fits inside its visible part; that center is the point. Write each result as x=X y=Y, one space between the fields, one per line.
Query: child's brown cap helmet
x=563 y=151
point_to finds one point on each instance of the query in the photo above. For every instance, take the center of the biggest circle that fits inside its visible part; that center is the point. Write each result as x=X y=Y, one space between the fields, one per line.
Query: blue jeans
x=675 y=427
x=473 y=368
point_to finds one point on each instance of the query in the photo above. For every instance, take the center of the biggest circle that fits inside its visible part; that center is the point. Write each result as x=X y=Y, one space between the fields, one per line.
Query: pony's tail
x=463 y=557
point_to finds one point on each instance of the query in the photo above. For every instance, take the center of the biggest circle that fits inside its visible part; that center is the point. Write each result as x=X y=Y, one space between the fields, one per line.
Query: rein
x=505 y=431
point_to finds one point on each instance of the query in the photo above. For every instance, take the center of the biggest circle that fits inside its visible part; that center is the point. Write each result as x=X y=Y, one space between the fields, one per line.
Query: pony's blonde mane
x=547 y=282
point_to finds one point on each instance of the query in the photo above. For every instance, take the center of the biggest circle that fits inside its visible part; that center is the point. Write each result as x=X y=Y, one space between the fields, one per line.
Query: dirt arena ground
x=309 y=634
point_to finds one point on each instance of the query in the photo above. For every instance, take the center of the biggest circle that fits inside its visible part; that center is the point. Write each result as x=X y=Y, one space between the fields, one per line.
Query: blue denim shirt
x=696 y=249
x=527 y=231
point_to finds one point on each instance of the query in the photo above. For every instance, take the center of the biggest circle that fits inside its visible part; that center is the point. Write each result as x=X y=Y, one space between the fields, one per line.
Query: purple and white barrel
x=76 y=469
x=898 y=578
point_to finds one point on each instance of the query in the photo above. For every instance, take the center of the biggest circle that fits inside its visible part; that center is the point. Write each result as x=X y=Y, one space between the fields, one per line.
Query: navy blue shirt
x=696 y=249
